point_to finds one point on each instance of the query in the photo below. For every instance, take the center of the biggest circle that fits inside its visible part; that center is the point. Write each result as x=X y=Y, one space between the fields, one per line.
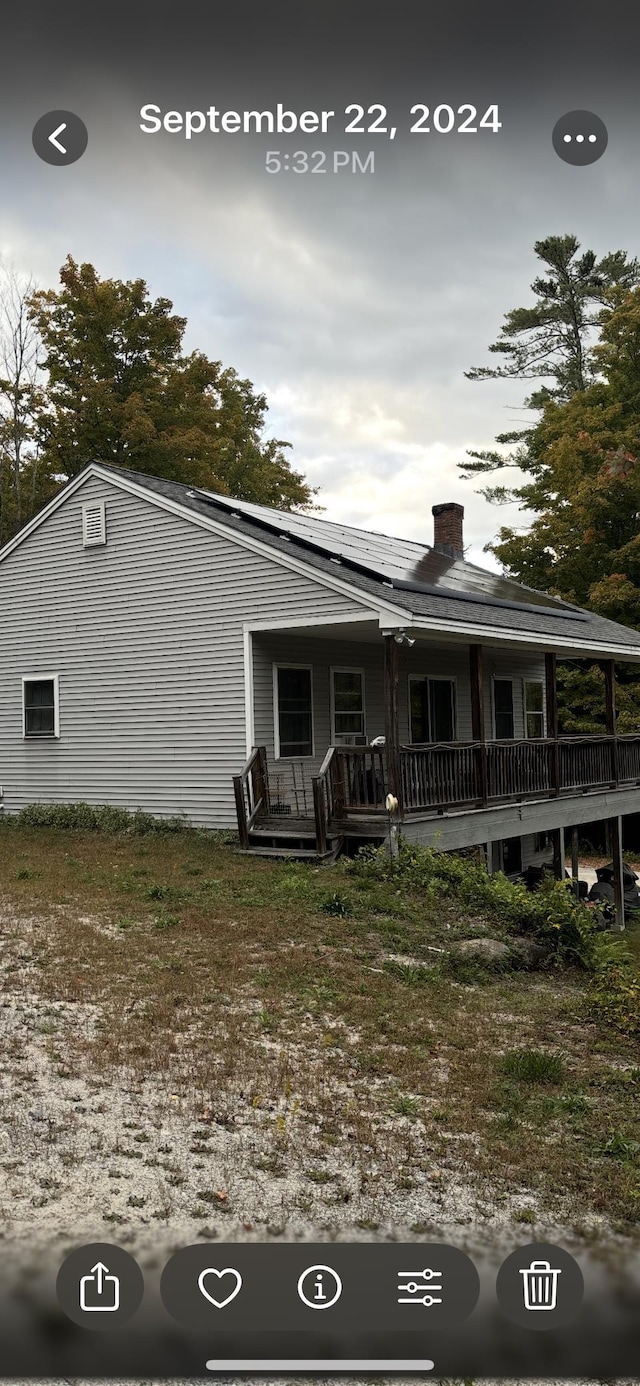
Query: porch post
x=557 y=835
x=575 y=865
x=609 y=668
x=552 y=720
x=391 y=719
x=615 y=829
x=476 y=677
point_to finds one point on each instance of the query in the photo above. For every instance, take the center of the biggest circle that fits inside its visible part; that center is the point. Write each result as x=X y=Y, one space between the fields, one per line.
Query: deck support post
x=575 y=865
x=557 y=835
x=615 y=834
x=476 y=675
x=552 y=720
x=489 y=851
x=320 y=816
x=391 y=719
x=609 y=670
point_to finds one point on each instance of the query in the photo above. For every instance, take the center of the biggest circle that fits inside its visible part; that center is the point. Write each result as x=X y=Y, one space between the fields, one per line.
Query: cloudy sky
x=355 y=301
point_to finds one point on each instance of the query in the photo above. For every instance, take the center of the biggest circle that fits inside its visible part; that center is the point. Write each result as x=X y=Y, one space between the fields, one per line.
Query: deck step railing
x=251 y=791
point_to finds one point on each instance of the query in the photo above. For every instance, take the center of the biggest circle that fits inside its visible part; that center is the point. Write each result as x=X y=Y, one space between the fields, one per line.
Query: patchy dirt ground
x=86 y=1152
x=197 y=1044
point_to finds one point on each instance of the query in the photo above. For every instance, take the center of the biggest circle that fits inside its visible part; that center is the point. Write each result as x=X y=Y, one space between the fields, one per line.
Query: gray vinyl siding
x=146 y=635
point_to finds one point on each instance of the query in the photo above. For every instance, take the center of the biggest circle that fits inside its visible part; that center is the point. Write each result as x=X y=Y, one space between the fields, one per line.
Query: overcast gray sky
x=355 y=301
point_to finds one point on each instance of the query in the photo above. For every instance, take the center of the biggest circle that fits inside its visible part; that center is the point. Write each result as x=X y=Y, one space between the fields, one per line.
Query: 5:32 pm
x=319 y=161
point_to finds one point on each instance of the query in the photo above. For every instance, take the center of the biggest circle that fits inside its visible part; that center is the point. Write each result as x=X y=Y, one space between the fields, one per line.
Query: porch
x=440 y=780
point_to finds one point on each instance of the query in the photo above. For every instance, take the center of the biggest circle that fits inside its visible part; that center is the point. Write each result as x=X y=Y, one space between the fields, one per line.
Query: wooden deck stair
x=290 y=836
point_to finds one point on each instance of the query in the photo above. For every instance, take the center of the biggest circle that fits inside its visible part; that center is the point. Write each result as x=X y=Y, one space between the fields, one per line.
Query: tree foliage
x=580 y=458
x=95 y=371
x=553 y=342
x=121 y=390
x=584 y=483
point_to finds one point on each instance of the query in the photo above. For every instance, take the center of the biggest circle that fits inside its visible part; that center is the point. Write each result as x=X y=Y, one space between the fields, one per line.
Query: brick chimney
x=447 y=529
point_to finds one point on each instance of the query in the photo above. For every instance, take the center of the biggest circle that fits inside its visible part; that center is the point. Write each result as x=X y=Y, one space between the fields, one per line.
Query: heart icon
x=211 y=1270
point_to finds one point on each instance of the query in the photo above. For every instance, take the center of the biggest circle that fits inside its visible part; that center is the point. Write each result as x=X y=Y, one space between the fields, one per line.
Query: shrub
x=615 y=998
x=552 y=915
x=99 y=818
x=533 y=1066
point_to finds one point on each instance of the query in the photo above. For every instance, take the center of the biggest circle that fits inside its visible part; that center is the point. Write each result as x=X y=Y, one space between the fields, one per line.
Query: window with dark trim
x=432 y=709
x=503 y=709
x=348 y=702
x=39 y=707
x=294 y=711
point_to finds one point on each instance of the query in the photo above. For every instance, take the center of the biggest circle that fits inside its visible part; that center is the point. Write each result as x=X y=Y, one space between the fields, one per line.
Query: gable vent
x=94 y=526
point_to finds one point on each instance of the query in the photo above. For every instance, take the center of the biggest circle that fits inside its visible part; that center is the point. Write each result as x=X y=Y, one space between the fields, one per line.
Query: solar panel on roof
x=405 y=563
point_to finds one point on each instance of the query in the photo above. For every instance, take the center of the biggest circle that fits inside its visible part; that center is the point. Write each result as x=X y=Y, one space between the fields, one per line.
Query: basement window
x=94 y=525
x=40 y=706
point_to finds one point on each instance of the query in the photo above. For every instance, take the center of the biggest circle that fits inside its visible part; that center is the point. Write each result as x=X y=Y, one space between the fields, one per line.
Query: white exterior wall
x=146 y=636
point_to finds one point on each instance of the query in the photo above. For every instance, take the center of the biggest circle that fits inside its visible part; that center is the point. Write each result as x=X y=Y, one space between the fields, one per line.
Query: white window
x=40 y=706
x=293 y=710
x=347 y=708
x=94 y=524
x=533 y=708
x=432 y=708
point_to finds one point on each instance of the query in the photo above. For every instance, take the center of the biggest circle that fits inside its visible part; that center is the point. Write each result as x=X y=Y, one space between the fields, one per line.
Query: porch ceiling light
x=401 y=638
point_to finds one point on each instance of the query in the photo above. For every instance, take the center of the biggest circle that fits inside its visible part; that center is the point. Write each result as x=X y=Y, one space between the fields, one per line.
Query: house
x=169 y=649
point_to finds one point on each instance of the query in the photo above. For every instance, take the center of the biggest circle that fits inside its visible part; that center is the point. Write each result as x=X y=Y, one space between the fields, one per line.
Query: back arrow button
x=46 y=142
x=54 y=140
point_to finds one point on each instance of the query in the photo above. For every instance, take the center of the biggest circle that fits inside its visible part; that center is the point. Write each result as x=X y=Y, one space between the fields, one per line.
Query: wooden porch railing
x=444 y=774
x=251 y=790
x=352 y=780
x=440 y=773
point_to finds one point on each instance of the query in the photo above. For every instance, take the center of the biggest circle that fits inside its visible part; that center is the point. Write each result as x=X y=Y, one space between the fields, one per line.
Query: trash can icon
x=540 y=1285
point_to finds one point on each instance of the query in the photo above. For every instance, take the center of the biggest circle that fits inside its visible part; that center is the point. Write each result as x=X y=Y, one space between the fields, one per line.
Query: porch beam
x=391 y=718
x=476 y=676
x=552 y=719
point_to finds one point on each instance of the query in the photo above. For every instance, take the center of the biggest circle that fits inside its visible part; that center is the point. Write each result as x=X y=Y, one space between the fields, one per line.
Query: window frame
x=502 y=678
x=434 y=678
x=287 y=664
x=535 y=712
x=42 y=736
x=346 y=669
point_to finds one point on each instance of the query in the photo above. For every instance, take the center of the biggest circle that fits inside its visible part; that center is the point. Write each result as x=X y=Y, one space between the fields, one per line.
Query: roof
x=413 y=575
x=407 y=575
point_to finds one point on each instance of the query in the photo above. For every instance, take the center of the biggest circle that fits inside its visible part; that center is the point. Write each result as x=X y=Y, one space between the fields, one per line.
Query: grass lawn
x=276 y=1042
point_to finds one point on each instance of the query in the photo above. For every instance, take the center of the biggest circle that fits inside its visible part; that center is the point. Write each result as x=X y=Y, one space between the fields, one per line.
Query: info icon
x=580 y=137
x=540 y=1286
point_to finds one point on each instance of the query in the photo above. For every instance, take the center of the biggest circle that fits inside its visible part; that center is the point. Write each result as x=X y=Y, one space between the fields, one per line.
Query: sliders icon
x=414 y=1287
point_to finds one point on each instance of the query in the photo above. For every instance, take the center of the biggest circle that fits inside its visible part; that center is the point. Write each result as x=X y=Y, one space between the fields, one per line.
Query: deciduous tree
x=121 y=390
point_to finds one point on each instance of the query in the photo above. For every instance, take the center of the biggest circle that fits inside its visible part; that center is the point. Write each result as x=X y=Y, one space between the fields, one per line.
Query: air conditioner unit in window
x=351 y=739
